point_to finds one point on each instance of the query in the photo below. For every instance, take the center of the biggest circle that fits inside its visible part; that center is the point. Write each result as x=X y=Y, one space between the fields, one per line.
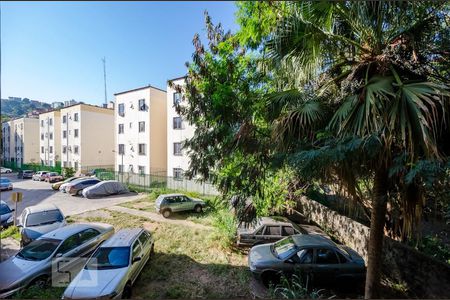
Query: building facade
x=21 y=141
x=178 y=130
x=140 y=131
x=50 y=138
x=87 y=137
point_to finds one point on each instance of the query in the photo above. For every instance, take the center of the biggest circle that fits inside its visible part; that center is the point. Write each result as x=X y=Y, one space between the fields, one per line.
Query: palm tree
x=368 y=83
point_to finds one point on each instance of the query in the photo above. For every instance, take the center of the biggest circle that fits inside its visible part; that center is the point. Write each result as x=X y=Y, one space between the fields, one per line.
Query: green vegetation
x=295 y=288
x=11 y=231
x=433 y=246
x=19 y=108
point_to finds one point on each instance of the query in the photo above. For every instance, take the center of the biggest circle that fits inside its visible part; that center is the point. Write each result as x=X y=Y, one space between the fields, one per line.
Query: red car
x=52 y=177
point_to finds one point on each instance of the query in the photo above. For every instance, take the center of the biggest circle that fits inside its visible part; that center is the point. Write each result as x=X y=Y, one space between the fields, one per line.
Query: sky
x=52 y=51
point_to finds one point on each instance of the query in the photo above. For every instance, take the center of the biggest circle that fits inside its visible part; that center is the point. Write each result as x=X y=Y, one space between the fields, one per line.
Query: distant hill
x=16 y=107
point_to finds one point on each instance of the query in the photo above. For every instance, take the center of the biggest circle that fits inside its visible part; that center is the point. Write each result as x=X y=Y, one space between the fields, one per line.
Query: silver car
x=39 y=219
x=33 y=264
x=114 y=267
x=166 y=204
x=5 y=184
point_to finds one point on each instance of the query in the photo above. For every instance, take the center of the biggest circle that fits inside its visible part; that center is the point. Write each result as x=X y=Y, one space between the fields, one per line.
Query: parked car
x=266 y=230
x=39 y=219
x=314 y=255
x=33 y=264
x=105 y=188
x=25 y=174
x=115 y=264
x=166 y=204
x=5 y=184
x=58 y=184
x=6 y=215
x=5 y=170
x=53 y=177
x=39 y=175
x=76 y=187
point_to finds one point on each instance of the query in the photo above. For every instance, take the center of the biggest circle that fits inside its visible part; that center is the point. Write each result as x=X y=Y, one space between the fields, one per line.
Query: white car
x=39 y=175
x=5 y=170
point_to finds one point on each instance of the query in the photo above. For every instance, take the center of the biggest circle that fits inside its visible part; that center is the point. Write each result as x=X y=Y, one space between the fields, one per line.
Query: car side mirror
x=13 y=209
x=19 y=226
x=58 y=255
x=136 y=259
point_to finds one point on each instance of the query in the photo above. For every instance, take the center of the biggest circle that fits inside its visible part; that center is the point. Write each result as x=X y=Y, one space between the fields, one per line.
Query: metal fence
x=35 y=167
x=145 y=182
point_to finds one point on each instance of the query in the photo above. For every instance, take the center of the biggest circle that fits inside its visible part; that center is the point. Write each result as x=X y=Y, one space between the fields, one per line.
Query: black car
x=25 y=174
x=266 y=230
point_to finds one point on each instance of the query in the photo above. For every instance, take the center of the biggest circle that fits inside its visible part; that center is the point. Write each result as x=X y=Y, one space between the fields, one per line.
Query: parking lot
x=36 y=192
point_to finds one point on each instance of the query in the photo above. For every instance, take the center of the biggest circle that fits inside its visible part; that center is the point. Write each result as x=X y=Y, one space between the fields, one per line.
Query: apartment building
x=178 y=130
x=50 y=138
x=141 y=131
x=21 y=141
x=87 y=136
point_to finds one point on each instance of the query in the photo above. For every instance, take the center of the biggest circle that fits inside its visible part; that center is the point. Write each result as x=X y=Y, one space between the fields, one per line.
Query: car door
x=287 y=231
x=176 y=204
x=186 y=203
x=300 y=263
x=146 y=244
x=136 y=251
x=272 y=233
x=66 y=263
x=326 y=265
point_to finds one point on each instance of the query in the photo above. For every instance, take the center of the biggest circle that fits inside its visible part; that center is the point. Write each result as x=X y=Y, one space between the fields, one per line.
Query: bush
x=433 y=246
x=11 y=231
x=225 y=227
x=68 y=172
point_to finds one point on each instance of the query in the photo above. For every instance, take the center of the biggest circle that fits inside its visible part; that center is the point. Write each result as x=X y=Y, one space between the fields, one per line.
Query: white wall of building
x=50 y=137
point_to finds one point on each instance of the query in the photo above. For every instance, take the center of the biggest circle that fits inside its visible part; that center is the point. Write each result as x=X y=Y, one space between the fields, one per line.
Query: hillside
x=15 y=108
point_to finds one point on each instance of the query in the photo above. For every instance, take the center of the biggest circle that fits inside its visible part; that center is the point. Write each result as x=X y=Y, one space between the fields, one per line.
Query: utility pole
x=104 y=77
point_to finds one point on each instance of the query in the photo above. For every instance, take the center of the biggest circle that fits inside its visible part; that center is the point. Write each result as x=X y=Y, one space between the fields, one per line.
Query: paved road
x=35 y=192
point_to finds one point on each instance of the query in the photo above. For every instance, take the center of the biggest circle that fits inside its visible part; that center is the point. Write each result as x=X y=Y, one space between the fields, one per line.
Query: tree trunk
x=377 y=221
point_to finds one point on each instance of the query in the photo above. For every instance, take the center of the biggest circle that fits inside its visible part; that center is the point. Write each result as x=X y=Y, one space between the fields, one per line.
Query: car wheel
x=126 y=294
x=269 y=278
x=198 y=209
x=166 y=213
x=80 y=193
x=40 y=282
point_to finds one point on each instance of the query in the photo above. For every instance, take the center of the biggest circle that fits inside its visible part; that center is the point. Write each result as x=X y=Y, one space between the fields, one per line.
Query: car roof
x=27 y=171
x=275 y=220
x=171 y=195
x=123 y=238
x=66 y=231
x=42 y=207
x=312 y=240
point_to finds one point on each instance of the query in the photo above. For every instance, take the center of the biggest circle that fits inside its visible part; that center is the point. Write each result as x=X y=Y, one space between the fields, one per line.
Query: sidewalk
x=157 y=217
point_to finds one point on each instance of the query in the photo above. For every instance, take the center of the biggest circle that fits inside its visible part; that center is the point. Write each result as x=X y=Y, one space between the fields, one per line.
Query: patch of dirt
x=96 y=214
x=8 y=247
x=150 y=226
x=140 y=205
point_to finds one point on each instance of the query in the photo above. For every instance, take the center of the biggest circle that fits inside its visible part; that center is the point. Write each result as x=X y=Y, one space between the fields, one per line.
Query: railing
x=30 y=166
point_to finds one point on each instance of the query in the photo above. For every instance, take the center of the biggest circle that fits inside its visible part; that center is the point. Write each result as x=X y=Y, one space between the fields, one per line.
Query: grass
x=11 y=231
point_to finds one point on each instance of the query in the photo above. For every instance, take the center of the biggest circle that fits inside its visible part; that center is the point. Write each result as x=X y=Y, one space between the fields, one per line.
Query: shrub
x=225 y=228
x=11 y=231
x=68 y=172
x=294 y=288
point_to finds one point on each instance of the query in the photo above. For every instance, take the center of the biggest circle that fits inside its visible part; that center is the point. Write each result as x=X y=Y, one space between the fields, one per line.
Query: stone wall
x=424 y=276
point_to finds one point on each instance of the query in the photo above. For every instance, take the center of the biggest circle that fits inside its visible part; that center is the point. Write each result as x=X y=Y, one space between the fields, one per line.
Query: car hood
x=14 y=270
x=36 y=231
x=262 y=255
x=94 y=283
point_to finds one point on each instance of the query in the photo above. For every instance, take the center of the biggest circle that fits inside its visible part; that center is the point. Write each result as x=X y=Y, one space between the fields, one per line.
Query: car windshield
x=284 y=248
x=109 y=258
x=39 y=249
x=43 y=218
x=4 y=209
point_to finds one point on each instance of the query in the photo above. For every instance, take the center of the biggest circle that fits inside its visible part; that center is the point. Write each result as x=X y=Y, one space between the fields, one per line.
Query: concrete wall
x=424 y=276
x=176 y=135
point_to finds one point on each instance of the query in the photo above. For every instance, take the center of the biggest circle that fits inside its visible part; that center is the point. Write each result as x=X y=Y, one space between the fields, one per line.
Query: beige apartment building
x=21 y=141
x=141 y=131
x=50 y=138
x=87 y=136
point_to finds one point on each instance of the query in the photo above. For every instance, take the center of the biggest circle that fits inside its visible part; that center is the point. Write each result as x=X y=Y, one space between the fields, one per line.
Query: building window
x=75 y=117
x=65 y=164
x=130 y=168
x=178 y=173
x=176 y=148
x=42 y=136
x=75 y=149
x=51 y=149
x=120 y=168
x=141 y=149
x=42 y=123
x=121 y=128
x=42 y=149
x=176 y=98
x=142 y=126
x=121 y=149
x=177 y=123
x=50 y=121
x=64 y=134
x=121 y=109
x=64 y=149
x=76 y=165
x=76 y=133
x=142 y=104
x=64 y=119
x=141 y=170
x=51 y=135
x=131 y=123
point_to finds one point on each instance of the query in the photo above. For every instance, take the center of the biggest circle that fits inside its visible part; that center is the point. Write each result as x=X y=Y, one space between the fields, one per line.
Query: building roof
x=173 y=79
x=123 y=238
x=138 y=89
x=85 y=104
